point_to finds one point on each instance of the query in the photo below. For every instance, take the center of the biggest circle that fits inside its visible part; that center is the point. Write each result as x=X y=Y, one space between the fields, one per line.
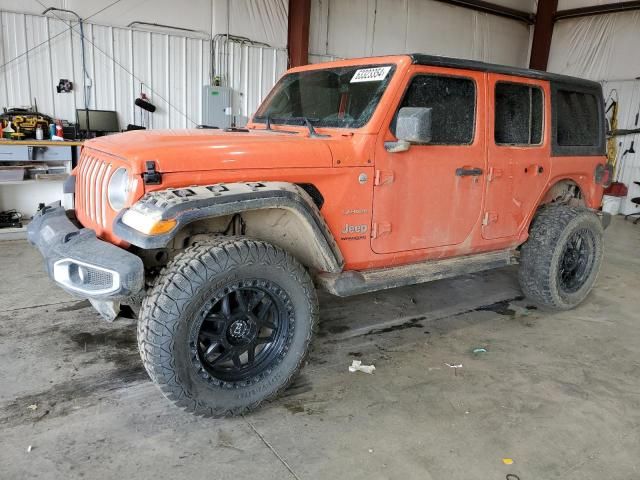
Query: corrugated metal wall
x=627 y=94
x=37 y=51
x=252 y=71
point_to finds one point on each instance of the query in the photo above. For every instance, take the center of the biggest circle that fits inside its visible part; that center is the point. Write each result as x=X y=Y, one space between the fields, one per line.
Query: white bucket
x=611 y=204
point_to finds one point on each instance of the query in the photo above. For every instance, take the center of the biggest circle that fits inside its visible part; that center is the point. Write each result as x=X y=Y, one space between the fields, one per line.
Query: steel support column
x=298 y=32
x=542 y=33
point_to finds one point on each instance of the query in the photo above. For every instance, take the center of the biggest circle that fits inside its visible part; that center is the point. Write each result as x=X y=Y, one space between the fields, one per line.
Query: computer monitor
x=101 y=121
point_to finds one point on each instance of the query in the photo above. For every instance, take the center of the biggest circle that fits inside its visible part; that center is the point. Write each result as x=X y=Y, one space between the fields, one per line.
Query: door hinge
x=151 y=176
x=383 y=177
x=380 y=229
x=489 y=217
x=494 y=173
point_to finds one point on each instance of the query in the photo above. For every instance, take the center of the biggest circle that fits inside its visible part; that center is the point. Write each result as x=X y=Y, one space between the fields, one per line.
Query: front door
x=431 y=195
x=518 y=146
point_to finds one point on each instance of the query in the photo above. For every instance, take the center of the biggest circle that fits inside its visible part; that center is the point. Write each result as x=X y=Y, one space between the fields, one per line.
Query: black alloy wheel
x=242 y=329
x=559 y=262
x=227 y=325
x=576 y=261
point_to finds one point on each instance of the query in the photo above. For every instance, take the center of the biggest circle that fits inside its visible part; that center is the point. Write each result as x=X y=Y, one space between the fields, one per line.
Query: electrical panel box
x=216 y=106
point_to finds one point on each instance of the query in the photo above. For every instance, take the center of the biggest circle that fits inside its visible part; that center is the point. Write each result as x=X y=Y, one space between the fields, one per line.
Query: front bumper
x=81 y=263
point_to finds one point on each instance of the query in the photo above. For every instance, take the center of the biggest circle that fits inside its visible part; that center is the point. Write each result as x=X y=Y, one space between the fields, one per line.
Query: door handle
x=468 y=172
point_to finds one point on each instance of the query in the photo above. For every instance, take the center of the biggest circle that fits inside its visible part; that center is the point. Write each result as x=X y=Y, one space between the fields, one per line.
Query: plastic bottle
x=39 y=133
x=52 y=130
x=8 y=131
x=59 y=130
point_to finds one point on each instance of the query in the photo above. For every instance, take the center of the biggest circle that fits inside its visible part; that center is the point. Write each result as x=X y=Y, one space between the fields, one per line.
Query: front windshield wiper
x=267 y=126
x=307 y=123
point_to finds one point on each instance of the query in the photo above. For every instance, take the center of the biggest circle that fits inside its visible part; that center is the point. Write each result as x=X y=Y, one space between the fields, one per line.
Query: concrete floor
x=559 y=393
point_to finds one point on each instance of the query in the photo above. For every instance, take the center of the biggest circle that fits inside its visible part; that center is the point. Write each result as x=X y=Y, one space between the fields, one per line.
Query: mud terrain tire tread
x=540 y=254
x=162 y=313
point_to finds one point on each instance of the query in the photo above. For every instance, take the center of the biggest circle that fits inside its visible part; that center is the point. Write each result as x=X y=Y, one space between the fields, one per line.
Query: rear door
x=431 y=195
x=518 y=146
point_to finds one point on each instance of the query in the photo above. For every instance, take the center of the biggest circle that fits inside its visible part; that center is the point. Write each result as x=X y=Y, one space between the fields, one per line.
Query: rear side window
x=518 y=114
x=577 y=119
x=453 y=104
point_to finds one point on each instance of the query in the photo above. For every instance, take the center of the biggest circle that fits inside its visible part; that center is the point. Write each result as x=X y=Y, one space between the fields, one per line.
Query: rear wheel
x=560 y=261
x=227 y=326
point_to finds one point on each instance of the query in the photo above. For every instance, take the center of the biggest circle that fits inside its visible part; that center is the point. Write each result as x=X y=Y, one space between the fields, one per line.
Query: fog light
x=78 y=274
x=85 y=278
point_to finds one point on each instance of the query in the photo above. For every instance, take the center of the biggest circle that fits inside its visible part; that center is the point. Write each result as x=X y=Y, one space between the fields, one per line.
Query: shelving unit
x=25 y=195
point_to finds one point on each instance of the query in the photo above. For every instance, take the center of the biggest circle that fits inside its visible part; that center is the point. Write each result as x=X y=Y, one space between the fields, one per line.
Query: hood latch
x=151 y=176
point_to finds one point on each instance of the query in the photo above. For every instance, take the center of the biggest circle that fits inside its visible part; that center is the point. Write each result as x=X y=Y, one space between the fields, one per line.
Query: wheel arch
x=564 y=190
x=280 y=213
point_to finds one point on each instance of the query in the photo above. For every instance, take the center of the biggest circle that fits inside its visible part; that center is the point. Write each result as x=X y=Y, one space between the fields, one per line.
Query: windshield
x=344 y=97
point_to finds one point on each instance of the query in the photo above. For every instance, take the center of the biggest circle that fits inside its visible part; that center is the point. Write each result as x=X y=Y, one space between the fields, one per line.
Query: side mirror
x=412 y=126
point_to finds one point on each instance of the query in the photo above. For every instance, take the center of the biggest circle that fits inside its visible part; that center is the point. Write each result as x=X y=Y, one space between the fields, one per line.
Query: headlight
x=148 y=223
x=118 y=189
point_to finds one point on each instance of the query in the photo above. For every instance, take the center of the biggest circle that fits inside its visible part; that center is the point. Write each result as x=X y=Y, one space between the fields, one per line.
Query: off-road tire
x=541 y=257
x=174 y=306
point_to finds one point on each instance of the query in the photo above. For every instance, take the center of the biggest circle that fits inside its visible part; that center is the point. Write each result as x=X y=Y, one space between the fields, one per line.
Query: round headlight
x=118 y=189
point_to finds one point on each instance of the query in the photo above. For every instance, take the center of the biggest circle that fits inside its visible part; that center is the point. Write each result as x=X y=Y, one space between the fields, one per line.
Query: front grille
x=91 y=188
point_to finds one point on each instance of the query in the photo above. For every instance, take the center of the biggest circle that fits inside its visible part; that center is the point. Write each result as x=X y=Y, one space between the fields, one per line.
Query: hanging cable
x=126 y=70
x=73 y=30
x=48 y=40
x=85 y=75
x=119 y=64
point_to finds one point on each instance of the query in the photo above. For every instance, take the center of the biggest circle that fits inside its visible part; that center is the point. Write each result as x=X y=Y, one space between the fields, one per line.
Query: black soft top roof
x=437 y=61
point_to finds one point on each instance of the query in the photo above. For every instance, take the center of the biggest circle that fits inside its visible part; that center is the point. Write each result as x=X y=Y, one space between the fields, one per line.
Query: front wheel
x=560 y=261
x=227 y=326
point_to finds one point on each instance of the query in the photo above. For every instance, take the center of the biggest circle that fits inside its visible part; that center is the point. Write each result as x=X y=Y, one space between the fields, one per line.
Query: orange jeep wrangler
x=352 y=176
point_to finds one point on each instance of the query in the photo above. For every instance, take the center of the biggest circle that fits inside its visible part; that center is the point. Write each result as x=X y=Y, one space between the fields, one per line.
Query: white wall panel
x=605 y=48
x=250 y=70
x=602 y=47
x=14 y=44
x=193 y=14
x=124 y=93
x=628 y=169
x=375 y=27
x=261 y=20
x=172 y=68
x=39 y=62
x=61 y=66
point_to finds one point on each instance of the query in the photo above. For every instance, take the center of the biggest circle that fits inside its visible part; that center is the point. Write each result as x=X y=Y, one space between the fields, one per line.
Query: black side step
x=352 y=282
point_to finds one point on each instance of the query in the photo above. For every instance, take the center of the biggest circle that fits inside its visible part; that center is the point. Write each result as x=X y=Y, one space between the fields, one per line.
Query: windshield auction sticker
x=375 y=74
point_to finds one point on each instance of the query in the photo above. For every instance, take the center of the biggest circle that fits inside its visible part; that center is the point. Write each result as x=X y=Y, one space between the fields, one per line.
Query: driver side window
x=453 y=104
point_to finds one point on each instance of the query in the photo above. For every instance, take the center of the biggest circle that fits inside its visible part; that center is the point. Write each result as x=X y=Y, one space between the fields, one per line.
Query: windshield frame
x=261 y=119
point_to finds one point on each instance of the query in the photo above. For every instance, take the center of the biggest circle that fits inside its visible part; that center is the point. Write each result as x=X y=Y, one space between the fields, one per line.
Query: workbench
x=25 y=195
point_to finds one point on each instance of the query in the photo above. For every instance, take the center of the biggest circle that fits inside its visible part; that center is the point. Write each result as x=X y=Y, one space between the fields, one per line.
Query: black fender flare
x=190 y=204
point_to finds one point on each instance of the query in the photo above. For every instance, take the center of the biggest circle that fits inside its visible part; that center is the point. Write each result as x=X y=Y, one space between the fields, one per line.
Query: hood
x=207 y=149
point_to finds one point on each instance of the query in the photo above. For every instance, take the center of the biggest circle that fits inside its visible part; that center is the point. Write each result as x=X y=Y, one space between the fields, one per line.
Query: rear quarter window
x=578 y=120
